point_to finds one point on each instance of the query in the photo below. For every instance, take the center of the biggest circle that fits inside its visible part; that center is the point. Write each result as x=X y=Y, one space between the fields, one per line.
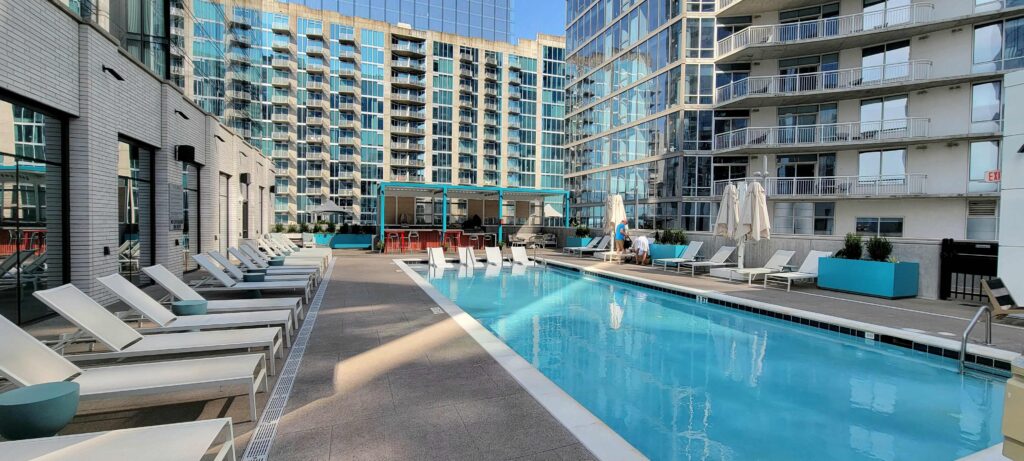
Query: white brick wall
x=51 y=58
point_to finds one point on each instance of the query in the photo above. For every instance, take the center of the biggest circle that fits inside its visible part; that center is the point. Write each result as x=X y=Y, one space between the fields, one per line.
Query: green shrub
x=879 y=248
x=852 y=247
x=582 y=231
x=671 y=237
x=278 y=228
x=304 y=227
x=292 y=228
x=331 y=227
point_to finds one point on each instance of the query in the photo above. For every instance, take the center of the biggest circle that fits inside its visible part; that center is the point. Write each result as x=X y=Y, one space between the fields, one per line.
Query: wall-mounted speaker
x=245 y=178
x=185 y=153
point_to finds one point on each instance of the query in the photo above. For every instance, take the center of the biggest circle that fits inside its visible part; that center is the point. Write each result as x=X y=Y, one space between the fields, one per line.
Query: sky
x=538 y=16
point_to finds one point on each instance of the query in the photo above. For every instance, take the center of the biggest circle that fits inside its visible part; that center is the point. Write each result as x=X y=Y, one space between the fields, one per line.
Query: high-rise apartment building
x=343 y=103
x=880 y=117
x=487 y=19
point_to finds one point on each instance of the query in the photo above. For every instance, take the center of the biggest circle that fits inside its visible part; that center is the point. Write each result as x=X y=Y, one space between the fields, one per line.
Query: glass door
x=134 y=197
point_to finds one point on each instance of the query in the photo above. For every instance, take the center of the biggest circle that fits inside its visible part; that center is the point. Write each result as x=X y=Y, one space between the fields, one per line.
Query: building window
x=222 y=212
x=984 y=158
x=887 y=164
x=804 y=218
x=135 y=215
x=880 y=227
x=999 y=46
x=697 y=216
x=986 y=107
x=982 y=220
x=190 y=231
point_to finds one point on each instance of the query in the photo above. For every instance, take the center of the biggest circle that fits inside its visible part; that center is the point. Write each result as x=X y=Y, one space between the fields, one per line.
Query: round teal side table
x=254 y=277
x=189 y=307
x=257 y=271
x=277 y=261
x=35 y=411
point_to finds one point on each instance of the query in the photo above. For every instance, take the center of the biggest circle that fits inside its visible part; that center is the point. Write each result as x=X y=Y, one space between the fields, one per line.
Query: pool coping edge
x=602 y=441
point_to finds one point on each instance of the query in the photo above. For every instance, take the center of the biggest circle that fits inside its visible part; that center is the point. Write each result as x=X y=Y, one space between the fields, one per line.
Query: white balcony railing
x=824 y=134
x=836 y=186
x=827 y=28
x=827 y=81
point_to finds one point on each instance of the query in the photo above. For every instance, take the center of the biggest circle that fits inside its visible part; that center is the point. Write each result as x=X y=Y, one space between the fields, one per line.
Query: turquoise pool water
x=687 y=381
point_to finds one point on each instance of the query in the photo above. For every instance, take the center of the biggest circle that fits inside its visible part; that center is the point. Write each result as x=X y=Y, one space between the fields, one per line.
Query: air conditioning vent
x=977 y=208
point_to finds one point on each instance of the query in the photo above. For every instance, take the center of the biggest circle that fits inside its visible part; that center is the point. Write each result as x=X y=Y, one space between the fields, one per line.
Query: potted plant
x=581 y=239
x=880 y=275
x=278 y=228
x=668 y=244
x=352 y=236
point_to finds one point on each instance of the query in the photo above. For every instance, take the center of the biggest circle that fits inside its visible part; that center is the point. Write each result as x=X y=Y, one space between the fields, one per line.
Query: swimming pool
x=683 y=380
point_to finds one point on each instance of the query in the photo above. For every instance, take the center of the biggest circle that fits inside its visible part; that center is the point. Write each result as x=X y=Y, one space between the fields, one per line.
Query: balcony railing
x=409 y=47
x=836 y=186
x=833 y=80
x=824 y=134
x=409 y=81
x=415 y=163
x=826 y=28
x=408 y=177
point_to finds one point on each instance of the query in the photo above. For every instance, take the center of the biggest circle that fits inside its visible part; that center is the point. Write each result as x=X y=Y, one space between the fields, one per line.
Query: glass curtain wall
x=135 y=211
x=32 y=246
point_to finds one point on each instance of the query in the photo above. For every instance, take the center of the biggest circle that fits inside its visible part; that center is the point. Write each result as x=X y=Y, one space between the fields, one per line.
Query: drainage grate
x=436 y=310
x=259 y=445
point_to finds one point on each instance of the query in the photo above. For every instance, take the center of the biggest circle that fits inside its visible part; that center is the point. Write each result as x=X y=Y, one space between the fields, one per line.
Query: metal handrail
x=831 y=80
x=967 y=332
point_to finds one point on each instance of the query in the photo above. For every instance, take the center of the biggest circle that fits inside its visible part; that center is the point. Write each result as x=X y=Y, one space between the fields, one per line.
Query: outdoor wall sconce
x=113 y=73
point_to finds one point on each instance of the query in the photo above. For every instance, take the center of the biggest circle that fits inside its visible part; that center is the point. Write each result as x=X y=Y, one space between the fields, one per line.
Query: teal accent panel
x=660 y=251
x=578 y=241
x=872 y=278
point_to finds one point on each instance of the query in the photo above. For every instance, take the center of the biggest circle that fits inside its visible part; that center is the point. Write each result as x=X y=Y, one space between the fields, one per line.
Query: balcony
x=348 y=107
x=515 y=79
x=318 y=120
x=239 y=95
x=349 y=175
x=812 y=137
x=406 y=145
x=323 y=104
x=287 y=153
x=316 y=68
x=408 y=81
x=409 y=114
x=349 y=72
x=408 y=129
x=514 y=92
x=836 y=186
x=282 y=46
x=348 y=193
x=283 y=136
x=467 y=165
x=314 y=31
x=349 y=124
x=408 y=65
x=491 y=107
x=241 y=22
x=466 y=56
x=282 y=118
x=513 y=108
x=467 y=73
x=467 y=119
x=777 y=41
x=409 y=48
x=406 y=177
x=491 y=75
x=283 y=100
x=236 y=57
x=347 y=37
x=317 y=86
x=282 y=82
x=350 y=140
x=466 y=88
x=241 y=39
x=352 y=90
x=238 y=114
x=407 y=162
x=318 y=51
x=854 y=83
x=408 y=97
x=318 y=139
x=281 y=27
x=283 y=64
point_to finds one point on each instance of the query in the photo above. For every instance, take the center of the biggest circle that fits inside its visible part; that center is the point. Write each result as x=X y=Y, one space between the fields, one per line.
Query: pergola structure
x=483 y=193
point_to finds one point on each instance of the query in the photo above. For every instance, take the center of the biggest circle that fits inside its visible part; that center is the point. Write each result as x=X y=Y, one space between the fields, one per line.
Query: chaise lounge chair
x=520 y=258
x=263 y=259
x=436 y=258
x=285 y=244
x=224 y=282
x=467 y=258
x=252 y=264
x=494 y=257
x=211 y=440
x=178 y=289
x=594 y=242
x=808 y=270
x=689 y=255
x=26 y=361
x=239 y=276
x=1000 y=299
x=267 y=251
x=600 y=247
x=124 y=342
x=719 y=259
x=777 y=263
x=166 y=321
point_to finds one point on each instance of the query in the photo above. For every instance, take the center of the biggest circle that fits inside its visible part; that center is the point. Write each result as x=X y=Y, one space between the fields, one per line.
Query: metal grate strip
x=262 y=438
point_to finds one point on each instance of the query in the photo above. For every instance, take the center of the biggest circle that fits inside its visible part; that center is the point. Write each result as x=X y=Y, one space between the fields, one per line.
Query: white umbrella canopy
x=753 y=213
x=728 y=213
x=614 y=213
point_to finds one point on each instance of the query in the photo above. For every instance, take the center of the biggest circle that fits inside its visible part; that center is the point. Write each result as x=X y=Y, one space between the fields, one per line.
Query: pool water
x=689 y=381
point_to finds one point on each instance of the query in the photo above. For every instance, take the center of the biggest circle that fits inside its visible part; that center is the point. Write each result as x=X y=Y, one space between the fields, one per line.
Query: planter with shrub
x=880 y=276
x=669 y=244
x=581 y=239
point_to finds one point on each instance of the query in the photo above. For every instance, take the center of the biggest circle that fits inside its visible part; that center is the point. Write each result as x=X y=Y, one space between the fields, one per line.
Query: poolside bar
x=400 y=201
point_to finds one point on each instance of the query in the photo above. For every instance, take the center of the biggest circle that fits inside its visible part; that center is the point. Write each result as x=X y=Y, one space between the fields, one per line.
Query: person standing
x=621 y=231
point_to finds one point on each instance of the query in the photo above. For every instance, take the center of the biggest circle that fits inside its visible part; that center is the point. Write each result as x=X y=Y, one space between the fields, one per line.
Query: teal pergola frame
x=485 y=192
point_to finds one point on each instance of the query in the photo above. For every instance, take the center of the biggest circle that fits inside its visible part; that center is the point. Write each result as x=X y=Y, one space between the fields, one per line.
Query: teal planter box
x=358 y=241
x=871 y=278
x=571 y=242
x=662 y=251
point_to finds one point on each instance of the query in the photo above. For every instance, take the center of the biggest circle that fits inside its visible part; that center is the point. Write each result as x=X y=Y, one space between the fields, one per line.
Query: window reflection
x=190 y=213
x=134 y=192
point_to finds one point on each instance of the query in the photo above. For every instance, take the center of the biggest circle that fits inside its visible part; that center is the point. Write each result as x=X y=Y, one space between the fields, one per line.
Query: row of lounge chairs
x=235 y=327
x=468 y=258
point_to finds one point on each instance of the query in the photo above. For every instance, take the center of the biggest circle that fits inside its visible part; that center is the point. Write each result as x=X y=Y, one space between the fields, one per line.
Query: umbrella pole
x=742 y=251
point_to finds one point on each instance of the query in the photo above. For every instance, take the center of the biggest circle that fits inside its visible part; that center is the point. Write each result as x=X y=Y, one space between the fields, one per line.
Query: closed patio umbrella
x=614 y=213
x=728 y=213
x=754 y=223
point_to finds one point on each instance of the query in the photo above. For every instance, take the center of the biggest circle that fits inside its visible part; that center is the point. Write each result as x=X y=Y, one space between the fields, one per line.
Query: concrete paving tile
x=439 y=386
x=359 y=440
x=574 y=452
x=431 y=433
x=309 y=445
x=512 y=426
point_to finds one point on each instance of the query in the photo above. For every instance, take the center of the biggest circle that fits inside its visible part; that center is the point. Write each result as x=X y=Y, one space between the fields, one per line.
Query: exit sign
x=993 y=176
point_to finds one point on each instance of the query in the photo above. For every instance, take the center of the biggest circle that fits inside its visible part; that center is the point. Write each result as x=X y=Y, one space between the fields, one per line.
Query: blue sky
x=538 y=16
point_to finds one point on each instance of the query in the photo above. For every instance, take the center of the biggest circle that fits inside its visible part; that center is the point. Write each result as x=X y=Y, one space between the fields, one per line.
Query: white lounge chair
x=719 y=259
x=466 y=257
x=519 y=257
x=808 y=270
x=252 y=264
x=602 y=246
x=178 y=289
x=239 y=276
x=285 y=244
x=224 y=282
x=494 y=257
x=166 y=321
x=436 y=258
x=689 y=255
x=265 y=249
x=124 y=342
x=211 y=440
x=593 y=243
x=25 y=361
x=253 y=251
x=777 y=263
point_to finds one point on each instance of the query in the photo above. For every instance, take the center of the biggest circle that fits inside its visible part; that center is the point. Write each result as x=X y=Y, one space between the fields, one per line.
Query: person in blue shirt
x=621 y=230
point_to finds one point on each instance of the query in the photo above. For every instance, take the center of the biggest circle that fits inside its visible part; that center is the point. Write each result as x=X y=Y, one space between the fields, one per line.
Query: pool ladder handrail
x=967 y=333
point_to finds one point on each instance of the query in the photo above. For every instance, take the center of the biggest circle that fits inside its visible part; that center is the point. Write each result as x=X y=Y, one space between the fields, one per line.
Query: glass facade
x=488 y=19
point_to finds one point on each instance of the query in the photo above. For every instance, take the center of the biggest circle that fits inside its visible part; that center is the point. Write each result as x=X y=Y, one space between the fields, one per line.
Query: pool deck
x=942 y=319
x=386 y=377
